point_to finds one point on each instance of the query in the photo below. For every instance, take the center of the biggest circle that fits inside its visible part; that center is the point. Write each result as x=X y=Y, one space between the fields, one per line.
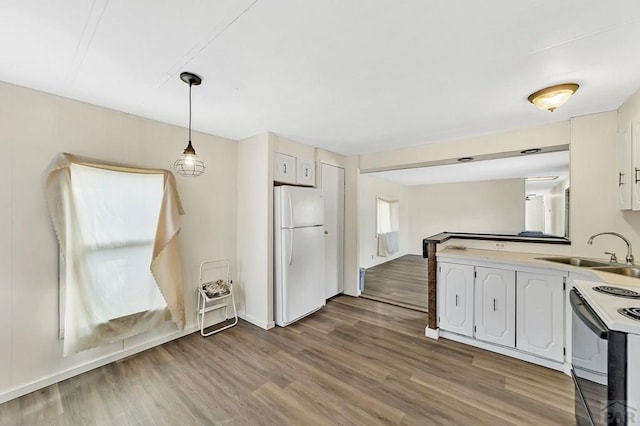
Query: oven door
x=589 y=342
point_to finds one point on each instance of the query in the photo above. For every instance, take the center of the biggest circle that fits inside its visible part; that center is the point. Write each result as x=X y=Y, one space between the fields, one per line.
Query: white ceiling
x=537 y=165
x=348 y=76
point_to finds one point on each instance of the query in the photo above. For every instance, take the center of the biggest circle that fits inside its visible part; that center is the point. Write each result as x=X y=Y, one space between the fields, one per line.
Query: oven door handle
x=587 y=316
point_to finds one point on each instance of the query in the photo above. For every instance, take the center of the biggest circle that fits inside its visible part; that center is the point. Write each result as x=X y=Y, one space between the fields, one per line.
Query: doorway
x=401 y=281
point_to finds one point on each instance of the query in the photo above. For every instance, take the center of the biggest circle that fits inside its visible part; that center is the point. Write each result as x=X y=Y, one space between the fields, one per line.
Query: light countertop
x=530 y=260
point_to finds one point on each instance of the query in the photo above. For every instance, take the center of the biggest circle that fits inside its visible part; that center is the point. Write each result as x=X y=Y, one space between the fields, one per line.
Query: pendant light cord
x=190 y=84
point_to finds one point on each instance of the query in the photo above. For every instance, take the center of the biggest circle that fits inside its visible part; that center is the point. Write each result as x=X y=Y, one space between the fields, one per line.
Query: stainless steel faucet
x=629 y=253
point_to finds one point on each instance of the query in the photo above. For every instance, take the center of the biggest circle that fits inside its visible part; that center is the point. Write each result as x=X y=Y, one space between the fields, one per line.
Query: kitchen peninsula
x=429 y=252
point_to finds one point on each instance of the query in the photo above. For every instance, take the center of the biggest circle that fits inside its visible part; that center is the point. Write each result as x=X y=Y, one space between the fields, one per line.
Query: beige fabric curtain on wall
x=85 y=326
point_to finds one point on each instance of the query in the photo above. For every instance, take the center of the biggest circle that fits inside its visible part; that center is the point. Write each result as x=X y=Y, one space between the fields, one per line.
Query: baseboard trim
x=257 y=322
x=64 y=375
x=432 y=333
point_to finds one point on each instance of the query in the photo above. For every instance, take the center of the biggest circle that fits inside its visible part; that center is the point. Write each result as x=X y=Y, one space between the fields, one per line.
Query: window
x=388 y=216
x=117 y=226
x=117 y=215
x=388 y=225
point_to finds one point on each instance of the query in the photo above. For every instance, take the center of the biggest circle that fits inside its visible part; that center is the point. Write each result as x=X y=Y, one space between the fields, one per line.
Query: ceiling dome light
x=188 y=164
x=552 y=97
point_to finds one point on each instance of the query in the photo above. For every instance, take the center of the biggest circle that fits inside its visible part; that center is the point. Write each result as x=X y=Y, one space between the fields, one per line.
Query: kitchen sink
x=629 y=271
x=577 y=261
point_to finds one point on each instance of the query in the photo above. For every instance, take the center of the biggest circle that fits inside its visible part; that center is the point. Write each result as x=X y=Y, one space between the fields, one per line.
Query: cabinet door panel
x=634 y=178
x=625 y=176
x=455 y=298
x=306 y=172
x=285 y=168
x=540 y=315
x=495 y=306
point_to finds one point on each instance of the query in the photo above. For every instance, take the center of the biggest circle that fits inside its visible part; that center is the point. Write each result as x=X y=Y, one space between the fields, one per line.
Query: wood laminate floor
x=355 y=362
x=402 y=282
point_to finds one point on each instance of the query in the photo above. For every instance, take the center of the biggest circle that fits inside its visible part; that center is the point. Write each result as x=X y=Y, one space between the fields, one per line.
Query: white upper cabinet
x=294 y=170
x=495 y=306
x=634 y=179
x=285 y=168
x=306 y=172
x=455 y=298
x=628 y=174
x=625 y=185
x=540 y=314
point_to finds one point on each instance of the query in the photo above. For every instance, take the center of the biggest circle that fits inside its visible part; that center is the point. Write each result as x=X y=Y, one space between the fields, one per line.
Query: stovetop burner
x=633 y=313
x=617 y=291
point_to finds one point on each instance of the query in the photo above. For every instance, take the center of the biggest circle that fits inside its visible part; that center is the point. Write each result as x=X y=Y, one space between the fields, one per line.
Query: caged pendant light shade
x=189 y=164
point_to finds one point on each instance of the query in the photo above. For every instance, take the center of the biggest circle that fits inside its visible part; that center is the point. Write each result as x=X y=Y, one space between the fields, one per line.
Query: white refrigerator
x=299 y=253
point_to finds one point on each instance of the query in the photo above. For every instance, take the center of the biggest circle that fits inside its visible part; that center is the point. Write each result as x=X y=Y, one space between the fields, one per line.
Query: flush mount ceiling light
x=552 y=97
x=188 y=164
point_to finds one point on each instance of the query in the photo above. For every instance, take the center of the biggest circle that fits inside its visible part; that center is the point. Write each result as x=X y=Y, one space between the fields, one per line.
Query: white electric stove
x=606 y=353
x=616 y=305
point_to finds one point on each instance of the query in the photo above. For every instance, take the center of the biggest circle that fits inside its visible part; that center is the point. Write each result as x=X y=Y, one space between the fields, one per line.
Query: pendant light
x=188 y=164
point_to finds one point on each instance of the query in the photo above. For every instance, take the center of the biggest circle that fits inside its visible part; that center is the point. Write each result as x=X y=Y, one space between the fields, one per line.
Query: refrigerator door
x=300 y=287
x=300 y=207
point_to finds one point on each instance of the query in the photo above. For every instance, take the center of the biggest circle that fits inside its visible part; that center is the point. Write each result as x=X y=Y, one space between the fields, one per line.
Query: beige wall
x=34 y=126
x=255 y=230
x=293 y=148
x=630 y=110
x=594 y=190
x=369 y=188
x=488 y=207
x=514 y=141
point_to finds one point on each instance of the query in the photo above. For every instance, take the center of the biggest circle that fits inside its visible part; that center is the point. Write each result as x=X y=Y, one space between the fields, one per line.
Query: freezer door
x=300 y=207
x=302 y=274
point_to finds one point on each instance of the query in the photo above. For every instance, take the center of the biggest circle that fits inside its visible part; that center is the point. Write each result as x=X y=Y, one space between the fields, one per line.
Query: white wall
x=255 y=230
x=34 y=126
x=369 y=188
x=494 y=207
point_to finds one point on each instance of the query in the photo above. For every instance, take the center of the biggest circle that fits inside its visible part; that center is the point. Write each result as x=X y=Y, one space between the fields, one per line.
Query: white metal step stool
x=221 y=267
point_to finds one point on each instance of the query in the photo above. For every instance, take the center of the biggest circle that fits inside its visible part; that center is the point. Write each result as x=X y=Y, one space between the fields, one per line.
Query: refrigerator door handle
x=290 y=210
x=290 y=246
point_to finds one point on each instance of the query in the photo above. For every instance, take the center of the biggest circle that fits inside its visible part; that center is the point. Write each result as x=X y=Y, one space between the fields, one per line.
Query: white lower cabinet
x=540 y=315
x=455 y=298
x=508 y=309
x=495 y=306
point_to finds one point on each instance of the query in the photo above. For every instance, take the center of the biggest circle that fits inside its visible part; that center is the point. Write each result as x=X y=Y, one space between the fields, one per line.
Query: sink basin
x=629 y=271
x=576 y=261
